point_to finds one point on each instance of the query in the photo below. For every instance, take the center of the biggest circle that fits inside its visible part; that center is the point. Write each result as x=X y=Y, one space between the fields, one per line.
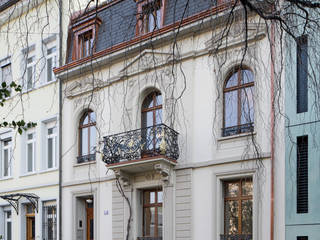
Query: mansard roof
x=118 y=20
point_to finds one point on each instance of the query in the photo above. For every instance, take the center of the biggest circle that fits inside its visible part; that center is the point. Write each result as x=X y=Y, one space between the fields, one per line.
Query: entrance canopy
x=13 y=200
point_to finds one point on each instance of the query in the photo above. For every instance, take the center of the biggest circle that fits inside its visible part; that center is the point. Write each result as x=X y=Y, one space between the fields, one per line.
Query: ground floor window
x=49 y=221
x=152 y=214
x=8 y=225
x=238 y=209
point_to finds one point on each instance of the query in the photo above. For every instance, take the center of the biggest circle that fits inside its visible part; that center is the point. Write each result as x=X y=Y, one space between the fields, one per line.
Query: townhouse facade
x=29 y=178
x=166 y=127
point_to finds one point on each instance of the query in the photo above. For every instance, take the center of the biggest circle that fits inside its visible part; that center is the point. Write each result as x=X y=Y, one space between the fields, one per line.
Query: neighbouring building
x=29 y=179
x=166 y=124
x=302 y=138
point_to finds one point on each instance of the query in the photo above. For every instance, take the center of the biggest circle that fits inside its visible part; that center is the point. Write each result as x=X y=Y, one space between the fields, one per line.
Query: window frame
x=53 y=57
x=7 y=220
x=79 y=30
x=239 y=199
x=46 y=217
x=90 y=156
x=237 y=88
x=156 y=205
x=9 y=148
x=141 y=17
x=33 y=142
x=52 y=136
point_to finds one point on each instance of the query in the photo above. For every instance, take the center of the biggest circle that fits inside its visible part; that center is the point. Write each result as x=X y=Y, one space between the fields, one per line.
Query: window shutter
x=302 y=174
x=302 y=74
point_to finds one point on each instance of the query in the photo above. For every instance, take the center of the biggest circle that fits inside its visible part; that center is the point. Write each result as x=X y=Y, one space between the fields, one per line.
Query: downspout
x=272 y=130
x=60 y=121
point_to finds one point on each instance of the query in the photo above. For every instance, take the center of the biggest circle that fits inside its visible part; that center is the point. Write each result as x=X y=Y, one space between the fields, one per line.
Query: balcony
x=139 y=150
x=236 y=237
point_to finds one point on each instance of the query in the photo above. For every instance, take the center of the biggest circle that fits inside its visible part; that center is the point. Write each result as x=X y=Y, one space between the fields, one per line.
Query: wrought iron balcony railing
x=244 y=128
x=158 y=140
x=86 y=158
x=236 y=237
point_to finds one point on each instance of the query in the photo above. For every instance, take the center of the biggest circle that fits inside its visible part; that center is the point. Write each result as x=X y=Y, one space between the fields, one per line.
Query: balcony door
x=30 y=223
x=151 y=117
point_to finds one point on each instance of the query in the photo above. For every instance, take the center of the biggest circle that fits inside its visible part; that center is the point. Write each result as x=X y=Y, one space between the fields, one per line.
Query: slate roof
x=119 y=20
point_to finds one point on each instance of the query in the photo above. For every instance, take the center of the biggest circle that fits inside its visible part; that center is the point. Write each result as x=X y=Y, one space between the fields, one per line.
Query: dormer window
x=150 y=16
x=84 y=36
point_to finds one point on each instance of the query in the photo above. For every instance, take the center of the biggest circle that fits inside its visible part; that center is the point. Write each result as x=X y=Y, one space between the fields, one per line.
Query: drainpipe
x=272 y=130
x=60 y=121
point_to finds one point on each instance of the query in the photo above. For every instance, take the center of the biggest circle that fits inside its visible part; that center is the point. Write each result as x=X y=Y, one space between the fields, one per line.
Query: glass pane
x=9 y=230
x=30 y=156
x=149 y=221
x=51 y=50
x=148 y=102
x=30 y=136
x=92 y=139
x=50 y=152
x=232 y=189
x=84 y=141
x=158 y=18
x=29 y=208
x=158 y=99
x=50 y=131
x=247 y=76
x=85 y=120
x=246 y=216
x=9 y=214
x=6 y=74
x=149 y=197
x=91 y=229
x=231 y=109
x=247 y=109
x=49 y=69
x=92 y=117
x=147 y=119
x=6 y=143
x=158 y=116
x=29 y=77
x=160 y=224
x=160 y=197
x=231 y=217
x=233 y=80
x=151 y=22
x=33 y=228
x=6 y=162
x=247 y=188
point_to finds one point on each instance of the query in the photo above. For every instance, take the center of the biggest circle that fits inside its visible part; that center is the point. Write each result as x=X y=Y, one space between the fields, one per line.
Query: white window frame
x=33 y=142
x=4 y=63
x=53 y=57
x=9 y=148
x=6 y=221
x=31 y=65
x=52 y=136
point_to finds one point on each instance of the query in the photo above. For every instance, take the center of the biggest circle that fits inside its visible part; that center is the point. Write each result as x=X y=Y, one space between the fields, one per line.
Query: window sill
x=6 y=178
x=84 y=164
x=241 y=135
x=48 y=170
x=28 y=174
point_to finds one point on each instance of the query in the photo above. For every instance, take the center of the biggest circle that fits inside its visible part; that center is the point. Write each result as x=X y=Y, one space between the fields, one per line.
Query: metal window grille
x=49 y=223
x=302 y=174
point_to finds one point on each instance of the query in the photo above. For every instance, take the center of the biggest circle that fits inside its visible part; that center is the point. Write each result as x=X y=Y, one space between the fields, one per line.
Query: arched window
x=238 y=95
x=151 y=117
x=87 y=137
x=151 y=112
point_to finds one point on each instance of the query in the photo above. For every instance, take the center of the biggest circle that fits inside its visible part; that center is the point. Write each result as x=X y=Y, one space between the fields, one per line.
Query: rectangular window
x=150 y=16
x=302 y=74
x=238 y=209
x=152 y=214
x=302 y=174
x=8 y=225
x=30 y=156
x=86 y=44
x=51 y=148
x=30 y=74
x=6 y=74
x=302 y=238
x=49 y=222
x=6 y=157
x=51 y=62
